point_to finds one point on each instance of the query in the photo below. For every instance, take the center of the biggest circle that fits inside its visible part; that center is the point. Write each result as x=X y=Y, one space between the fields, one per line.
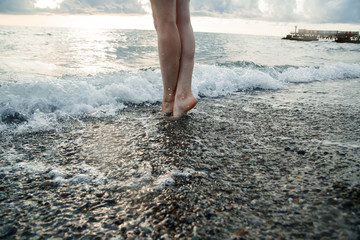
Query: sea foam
x=86 y=175
x=40 y=102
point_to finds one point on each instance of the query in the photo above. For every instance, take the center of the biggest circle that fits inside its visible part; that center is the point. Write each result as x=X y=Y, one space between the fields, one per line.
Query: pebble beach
x=281 y=164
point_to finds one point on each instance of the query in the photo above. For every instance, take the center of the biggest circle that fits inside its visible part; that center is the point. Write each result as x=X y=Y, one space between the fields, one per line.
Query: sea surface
x=52 y=78
x=85 y=151
x=48 y=75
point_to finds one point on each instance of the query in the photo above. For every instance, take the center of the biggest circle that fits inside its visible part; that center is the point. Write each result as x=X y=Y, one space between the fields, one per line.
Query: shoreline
x=270 y=164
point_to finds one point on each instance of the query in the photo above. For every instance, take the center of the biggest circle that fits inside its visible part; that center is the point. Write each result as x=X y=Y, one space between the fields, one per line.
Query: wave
x=298 y=74
x=338 y=71
x=41 y=102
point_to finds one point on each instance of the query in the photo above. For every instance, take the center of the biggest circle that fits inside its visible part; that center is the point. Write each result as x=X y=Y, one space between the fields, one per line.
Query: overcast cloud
x=312 y=11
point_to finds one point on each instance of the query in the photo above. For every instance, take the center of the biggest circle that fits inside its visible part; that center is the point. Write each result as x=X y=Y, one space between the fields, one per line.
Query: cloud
x=280 y=10
x=74 y=7
x=16 y=6
x=239 y=8
x=332 y=11
x=101 y=6
x=312 y=11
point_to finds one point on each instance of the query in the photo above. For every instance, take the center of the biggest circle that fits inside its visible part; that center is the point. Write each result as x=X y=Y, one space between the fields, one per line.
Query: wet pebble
x=245 y=185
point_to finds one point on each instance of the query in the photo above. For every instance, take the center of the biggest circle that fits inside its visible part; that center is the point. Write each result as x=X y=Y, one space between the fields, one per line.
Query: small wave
x=216 y=81
x=338 y=71
x=355 y=50
x=6 y=33
x=40 y=102
x=43 y=34
x=141 y=178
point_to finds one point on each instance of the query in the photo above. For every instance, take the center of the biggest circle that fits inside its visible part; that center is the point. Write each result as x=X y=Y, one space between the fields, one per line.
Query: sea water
x=50 y=76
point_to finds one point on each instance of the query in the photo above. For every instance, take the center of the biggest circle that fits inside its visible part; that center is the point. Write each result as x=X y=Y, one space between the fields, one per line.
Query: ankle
x=181 y=95
x=167 y=105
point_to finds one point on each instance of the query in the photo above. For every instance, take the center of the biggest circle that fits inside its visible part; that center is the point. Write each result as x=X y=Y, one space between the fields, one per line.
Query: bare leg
x=184 y=99
x=169 y=44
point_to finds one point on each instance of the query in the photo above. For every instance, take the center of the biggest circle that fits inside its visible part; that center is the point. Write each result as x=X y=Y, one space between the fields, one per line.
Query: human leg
x=184 y=99
x=169 y=45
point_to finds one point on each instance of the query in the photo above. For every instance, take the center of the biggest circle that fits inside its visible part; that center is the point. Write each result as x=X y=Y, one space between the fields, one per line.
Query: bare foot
x=183 y=105
x=167 y=108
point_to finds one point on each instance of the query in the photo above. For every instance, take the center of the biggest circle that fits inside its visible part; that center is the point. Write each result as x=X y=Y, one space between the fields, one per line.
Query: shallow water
x=270 y=151
x=121 y=149
x=48 y=75
x=249 y=165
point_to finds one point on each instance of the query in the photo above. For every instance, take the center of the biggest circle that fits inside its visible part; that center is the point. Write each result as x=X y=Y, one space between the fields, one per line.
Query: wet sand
x=256 y=165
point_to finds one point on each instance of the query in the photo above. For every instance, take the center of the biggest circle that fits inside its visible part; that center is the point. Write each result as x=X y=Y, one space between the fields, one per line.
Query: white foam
x=215 y=81
x=58 y=175
x=340 y=144
x=12 y=156
x=164 y=181
x=86 y=174
x=329 y=72
x=26 y=167
x=43 y=101
x=168 y=179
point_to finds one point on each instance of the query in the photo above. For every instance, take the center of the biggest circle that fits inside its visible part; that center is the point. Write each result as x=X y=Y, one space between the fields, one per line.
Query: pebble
x=244 y=185
x=7 y=231
x=301 y=152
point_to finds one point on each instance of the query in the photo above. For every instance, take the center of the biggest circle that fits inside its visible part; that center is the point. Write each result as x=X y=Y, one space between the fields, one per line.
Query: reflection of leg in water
x=176 y=45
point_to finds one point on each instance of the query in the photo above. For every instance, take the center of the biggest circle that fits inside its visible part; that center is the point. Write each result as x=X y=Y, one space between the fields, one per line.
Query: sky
x=260 y=17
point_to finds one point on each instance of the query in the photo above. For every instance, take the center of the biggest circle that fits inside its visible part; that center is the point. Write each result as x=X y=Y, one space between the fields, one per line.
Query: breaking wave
x=40 y=102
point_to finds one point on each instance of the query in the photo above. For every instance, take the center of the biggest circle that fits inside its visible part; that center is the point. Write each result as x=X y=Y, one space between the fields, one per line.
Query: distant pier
x=315 y=35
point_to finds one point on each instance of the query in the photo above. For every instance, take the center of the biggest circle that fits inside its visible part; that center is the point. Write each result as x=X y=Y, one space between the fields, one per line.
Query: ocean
x=51 y=74
x=82 y=137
